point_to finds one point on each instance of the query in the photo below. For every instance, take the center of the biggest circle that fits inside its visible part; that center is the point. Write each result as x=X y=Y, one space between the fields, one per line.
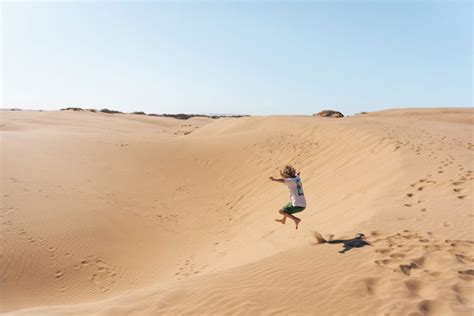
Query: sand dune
x=134 y=215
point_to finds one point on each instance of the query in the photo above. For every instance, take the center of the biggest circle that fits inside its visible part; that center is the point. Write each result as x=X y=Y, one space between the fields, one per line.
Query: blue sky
x=253 y=57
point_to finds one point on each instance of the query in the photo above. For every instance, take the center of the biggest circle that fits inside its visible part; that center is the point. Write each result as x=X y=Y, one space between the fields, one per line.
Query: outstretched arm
x=277 y=180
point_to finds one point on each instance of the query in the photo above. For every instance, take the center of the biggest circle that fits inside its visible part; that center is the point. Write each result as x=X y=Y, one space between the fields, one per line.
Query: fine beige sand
x=133 y=215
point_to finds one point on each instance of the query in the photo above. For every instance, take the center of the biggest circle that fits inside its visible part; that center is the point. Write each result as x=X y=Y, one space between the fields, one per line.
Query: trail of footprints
x=167 y=218
x=101 y=272
x=400 y=253
x=422 y=263
x=448 y=162
x=457 y=184
x=4 y=212
x=418 y=186
x=188 y=268
x=421 y=184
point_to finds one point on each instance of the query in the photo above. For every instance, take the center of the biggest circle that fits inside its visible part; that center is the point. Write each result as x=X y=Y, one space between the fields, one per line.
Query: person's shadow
x=357 y=242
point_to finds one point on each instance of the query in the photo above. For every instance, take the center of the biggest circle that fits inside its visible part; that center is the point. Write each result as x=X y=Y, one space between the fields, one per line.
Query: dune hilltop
x=121 y=214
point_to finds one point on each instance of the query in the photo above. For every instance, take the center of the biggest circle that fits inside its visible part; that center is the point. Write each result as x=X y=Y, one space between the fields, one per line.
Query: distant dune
x=139 y=215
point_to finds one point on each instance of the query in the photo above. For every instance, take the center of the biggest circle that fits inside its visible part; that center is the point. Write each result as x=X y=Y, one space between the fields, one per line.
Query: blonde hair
x=288 y=172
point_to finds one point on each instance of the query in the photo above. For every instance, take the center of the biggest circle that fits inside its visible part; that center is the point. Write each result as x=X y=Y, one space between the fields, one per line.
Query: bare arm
x=277 y=180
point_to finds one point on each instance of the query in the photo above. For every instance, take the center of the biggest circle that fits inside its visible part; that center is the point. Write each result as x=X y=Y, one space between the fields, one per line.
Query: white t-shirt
x=296 y=191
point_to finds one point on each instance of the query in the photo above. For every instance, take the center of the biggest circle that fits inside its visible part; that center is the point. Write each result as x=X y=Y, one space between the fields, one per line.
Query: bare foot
x=280 y=221
x=297 y=222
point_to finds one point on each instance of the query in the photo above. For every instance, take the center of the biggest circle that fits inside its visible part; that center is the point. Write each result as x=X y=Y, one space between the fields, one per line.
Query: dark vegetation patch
x=329 y=113
x=179 y=116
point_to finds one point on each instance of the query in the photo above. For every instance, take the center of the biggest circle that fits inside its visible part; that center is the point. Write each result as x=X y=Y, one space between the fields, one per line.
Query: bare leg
x=294 y=218
x=283 y=220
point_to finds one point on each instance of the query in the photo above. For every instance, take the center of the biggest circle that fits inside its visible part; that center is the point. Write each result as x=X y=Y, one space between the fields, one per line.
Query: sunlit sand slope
x=127 y=214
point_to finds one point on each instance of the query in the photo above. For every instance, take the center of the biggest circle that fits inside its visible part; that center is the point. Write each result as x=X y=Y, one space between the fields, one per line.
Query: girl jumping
x=298 y=203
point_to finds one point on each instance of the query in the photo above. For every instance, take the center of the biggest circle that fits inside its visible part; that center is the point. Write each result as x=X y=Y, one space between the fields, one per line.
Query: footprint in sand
x=373 y=286
x=406 y=268
x=7 y=223
x=434 y=307
x=418 y=288
x=188 y=269
x=58 y=274
x=434 y=247
x=383 y=262
x=461 y=197
x=103 y=274
x=375 y=233
x=383 y=251
x=397 y=256
x=463 y=258
x=463 y=293
x=466 y=275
